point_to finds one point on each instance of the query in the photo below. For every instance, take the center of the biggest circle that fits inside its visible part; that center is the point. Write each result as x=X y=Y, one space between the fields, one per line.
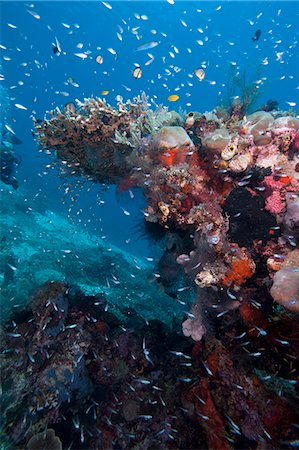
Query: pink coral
x=274 y=203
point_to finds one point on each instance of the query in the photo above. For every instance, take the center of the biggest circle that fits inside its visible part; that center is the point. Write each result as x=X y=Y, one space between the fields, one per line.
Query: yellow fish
x=104 y=92
x=173 y=98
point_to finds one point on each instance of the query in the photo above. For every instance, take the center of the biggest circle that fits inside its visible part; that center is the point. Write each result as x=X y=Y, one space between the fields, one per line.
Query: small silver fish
x=202 y=416
x=207 y=368
x=243 y=183
x=282 y=342
x=200 y=399
x=9 y=129
x=142 y=380
x=31 y=358
x=76 y=422
x=173 y=352
x=14 y=335
x=160 y=432
x=147 y=46
x=222 y=313
x=261 y=331
x=230 y=295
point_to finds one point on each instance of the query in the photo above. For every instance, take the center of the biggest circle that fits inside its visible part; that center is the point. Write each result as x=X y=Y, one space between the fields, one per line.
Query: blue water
x=227 y=28
x=120 y=350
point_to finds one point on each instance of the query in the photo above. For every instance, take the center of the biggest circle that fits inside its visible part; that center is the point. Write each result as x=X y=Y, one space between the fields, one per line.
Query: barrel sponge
x=285 y=288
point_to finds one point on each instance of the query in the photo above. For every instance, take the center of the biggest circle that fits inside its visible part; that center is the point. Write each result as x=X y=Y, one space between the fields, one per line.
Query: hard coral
x=259 y=122
x=216 y=140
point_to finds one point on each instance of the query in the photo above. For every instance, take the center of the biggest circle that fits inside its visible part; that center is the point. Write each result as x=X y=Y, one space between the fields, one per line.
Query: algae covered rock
x=44 y=275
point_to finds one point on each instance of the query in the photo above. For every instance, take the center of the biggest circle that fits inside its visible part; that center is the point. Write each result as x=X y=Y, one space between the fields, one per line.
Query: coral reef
x=74 y=375
x=90 y=374
x=224 y=188
x=190 y=181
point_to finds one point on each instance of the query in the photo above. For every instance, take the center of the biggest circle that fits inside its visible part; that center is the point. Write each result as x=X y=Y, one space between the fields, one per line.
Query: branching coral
x=96 y=138
x=144 y=121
